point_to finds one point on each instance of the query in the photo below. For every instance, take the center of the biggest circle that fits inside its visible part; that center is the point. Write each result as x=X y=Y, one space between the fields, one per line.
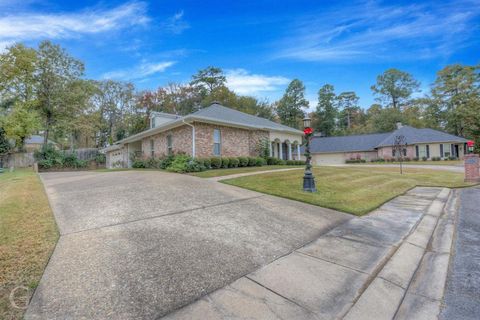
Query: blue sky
x=261 y=45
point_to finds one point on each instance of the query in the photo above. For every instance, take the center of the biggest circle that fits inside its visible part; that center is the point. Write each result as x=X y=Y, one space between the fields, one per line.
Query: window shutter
x=416 y=152
x=441 y=150
x=428 y=151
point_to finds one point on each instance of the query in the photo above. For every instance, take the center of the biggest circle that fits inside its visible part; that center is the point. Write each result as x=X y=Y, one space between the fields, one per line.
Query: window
x=216 y=142
x=152 y=148
x=446 y=150
x=422 y=151
x=169 y=144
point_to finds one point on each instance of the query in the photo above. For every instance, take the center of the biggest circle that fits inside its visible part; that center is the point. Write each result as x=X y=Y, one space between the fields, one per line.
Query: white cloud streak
x=144 y=69
x=243 y=82
x=370 y=31
x=32 y=26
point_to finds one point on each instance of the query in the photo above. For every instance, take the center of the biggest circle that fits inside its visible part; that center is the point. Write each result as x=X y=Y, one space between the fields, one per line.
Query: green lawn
x=28 y=234
x=353 y=190
x=226 y=172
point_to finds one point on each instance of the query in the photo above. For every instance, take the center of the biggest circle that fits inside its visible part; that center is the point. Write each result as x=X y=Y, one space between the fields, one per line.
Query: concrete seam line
x=164 y=215
x=280 y=295
x=325 y=260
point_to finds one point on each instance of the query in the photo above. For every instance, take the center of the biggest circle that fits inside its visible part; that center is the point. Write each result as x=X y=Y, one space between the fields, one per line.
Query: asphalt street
x=462 y=295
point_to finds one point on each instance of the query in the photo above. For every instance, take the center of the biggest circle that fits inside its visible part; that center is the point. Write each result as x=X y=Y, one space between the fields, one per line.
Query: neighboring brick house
x=421 y=143
x=212 y=131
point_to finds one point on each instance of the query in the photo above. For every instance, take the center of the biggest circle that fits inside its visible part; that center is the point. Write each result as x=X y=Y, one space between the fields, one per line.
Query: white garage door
x=328 y=158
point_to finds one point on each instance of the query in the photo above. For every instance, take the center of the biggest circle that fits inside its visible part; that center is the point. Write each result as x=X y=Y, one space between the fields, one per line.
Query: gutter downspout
x=193 y=137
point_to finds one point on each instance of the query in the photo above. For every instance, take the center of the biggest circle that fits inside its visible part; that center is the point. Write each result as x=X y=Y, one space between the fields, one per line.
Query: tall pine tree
x=326 y=112
x=290 y=107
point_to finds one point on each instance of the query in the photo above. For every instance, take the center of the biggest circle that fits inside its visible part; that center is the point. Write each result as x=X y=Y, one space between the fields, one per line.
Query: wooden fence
x=26 y=159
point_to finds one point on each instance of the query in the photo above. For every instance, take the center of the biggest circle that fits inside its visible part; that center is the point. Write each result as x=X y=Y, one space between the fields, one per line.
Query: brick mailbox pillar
x=472 y=168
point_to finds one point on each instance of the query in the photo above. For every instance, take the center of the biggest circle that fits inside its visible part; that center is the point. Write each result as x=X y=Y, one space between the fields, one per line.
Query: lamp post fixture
x=308 y=178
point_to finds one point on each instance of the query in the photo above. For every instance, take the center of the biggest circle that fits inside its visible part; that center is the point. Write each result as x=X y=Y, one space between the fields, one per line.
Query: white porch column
x=289 y=151
x=298 y=151
x=270 y=149
x=280 y=153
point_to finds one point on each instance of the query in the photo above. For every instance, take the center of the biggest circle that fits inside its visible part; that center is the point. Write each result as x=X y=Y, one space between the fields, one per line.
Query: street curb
x=411 y=263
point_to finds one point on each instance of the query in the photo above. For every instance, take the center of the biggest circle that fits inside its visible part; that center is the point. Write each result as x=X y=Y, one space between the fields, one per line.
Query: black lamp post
x=308 y=178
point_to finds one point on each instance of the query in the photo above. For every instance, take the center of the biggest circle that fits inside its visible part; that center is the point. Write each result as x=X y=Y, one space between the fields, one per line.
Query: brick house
x=212 y=131
x=421 y=143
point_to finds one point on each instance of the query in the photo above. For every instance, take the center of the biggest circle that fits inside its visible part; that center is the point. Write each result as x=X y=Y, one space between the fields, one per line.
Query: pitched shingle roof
x=217 y=112
x=369 y=142
x=363 y=142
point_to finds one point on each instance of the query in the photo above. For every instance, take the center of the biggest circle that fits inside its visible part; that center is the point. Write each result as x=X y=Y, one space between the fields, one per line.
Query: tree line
x=43 y=90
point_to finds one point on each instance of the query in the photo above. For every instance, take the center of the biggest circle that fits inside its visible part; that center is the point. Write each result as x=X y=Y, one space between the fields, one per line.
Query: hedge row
x=413 y=159
x=185 y=163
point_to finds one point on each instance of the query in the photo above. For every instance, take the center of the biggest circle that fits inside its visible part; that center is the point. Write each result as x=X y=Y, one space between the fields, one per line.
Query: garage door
x=328 y=158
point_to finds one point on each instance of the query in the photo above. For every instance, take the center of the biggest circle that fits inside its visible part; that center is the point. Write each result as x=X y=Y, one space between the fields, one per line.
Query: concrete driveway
x=139 y=244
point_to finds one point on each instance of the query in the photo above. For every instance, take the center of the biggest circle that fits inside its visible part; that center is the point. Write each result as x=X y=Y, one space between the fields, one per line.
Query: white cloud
x=32 y=26
x=373 y=30
x=144 y=69
x=243 y=82
x=176 y=24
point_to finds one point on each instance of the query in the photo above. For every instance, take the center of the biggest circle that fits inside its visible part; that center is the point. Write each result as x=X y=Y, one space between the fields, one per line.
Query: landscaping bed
x=354 y=190
x=183 y=163
x=28 y=235
x=226 y=172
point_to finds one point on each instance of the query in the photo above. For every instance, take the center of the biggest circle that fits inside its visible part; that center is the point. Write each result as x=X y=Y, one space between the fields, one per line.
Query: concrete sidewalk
x=382 y=266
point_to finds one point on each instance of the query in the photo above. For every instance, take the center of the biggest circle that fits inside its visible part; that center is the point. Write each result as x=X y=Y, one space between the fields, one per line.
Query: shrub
x=259 y=161
x=416 y=159
x=406 y=159
x=100 y=158
x=184 y=163
x=48 y=157
x=424 y=158
x=281 y=162
x=436 y=158
x=252 y=162
x=299 y=162
x=234 y=162
x=242 y=161
x=165 y=162
x=225 y=162
x=216 y=162
x=452 y=158
x=138 y=163
x=152 y=163
x=206 y=163
x=290 y=162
